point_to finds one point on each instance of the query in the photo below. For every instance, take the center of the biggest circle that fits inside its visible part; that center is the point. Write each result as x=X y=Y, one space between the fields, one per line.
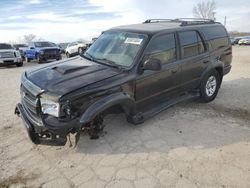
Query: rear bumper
x=47 y=134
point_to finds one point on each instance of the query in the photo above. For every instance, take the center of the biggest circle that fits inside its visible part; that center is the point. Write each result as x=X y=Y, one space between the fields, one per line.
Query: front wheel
x=68 y=55
x=210 y=85
x=19 y=64
x=59 y=58
x=80 y=51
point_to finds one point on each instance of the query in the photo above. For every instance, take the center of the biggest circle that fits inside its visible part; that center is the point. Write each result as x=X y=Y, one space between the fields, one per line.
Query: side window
x=217 y=36
x=191 y=43
x=162 y=48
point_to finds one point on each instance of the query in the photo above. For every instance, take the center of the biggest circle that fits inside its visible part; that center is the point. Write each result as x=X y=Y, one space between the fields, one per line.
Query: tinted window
x=217 y=36
x=4 y=46
x=214 y=32
x=191 y=43
x=162 y=48
x=44 y=44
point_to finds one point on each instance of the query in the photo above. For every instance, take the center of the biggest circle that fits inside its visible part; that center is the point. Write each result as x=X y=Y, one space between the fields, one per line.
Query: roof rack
x=183 y=21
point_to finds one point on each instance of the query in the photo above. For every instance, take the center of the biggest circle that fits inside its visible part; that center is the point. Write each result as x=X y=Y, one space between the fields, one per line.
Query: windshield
x=5 y=46
x=44 y=44
x=116 y=48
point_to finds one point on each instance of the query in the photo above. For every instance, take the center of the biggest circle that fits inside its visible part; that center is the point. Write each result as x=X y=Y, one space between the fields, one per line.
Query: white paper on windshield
x=133 y=41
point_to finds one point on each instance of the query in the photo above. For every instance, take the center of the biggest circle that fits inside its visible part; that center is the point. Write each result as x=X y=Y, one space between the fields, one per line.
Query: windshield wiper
x=109 y=62
x=90 y=57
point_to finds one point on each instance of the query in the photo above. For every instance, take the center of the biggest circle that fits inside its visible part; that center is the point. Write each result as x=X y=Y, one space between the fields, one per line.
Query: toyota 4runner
x=138 y=70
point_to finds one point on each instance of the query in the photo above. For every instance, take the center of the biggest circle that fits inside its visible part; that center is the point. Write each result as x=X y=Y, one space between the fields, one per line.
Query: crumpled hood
x=68 y=75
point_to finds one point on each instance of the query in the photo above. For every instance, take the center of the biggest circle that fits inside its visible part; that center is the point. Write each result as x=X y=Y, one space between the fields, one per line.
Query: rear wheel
x=19 y=64
x=38 y=59
x=210 y=85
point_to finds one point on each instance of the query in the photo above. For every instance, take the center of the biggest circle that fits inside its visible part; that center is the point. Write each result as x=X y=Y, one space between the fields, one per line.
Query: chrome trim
x=32 y=88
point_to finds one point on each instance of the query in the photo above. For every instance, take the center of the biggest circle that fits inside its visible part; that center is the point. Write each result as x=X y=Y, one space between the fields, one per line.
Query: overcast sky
x=67 y=20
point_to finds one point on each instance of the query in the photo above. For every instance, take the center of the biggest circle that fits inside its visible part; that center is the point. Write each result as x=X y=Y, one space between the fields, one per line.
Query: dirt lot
x=188 y=145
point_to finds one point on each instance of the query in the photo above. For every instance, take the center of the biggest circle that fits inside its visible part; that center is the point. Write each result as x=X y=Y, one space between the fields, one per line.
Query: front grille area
x=50 y=52
x=31 y=106
x=7 y=54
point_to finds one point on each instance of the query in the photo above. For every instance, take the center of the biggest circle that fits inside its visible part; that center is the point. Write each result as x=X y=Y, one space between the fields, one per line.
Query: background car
x=9 y=56
x=21 y=48
x=42 y=51
x=76 y=48
x=244 y=41
x=63 y=47
x=237 y=39
x=232 y=39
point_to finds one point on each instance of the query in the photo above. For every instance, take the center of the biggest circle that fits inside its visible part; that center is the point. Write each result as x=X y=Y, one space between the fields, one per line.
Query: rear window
x=214 y=32
x=217 y=35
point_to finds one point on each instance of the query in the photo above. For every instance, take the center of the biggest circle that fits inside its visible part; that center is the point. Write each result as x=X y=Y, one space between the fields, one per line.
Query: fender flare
x=213 y=66
x=123 y=99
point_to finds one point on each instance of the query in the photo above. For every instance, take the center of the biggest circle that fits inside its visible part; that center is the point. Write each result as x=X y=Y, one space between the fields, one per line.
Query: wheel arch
x=122 y=100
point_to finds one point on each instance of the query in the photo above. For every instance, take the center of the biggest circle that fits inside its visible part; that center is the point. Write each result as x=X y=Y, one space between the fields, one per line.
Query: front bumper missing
x=45 y=137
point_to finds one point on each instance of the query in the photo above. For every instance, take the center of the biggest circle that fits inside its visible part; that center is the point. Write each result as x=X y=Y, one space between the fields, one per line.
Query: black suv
x=138 y=70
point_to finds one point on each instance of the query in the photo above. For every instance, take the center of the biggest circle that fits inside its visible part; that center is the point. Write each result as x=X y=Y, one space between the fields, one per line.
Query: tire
x=80 y=51
x=27 y=59
x=210 y=85
x=59 y=58
x=68 y=55
x=38 y=59
x=19 y=64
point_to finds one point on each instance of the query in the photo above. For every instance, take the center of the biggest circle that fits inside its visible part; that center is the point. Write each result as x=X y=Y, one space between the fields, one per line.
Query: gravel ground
x=188 y=145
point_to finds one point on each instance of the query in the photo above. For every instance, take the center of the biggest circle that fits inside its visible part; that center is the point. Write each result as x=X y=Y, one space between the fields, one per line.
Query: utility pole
x=225 y=21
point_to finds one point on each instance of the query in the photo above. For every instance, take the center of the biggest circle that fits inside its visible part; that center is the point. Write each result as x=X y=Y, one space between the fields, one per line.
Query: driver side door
x=154 y=87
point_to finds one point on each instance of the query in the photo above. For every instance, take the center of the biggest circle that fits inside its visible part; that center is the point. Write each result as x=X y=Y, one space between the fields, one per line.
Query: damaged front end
x=43 y=128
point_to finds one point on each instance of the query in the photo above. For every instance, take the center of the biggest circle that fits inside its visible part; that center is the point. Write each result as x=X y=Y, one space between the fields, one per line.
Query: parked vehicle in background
x=232 y=39
x=237 y=39
x=42 y=51
x=21 y=48
x=9 y=56
x=76 y=48
x=139 y=70
x=244 y=41
x=63 y=47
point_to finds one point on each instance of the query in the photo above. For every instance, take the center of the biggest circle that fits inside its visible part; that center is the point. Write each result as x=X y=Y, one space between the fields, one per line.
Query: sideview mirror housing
x=152 y=64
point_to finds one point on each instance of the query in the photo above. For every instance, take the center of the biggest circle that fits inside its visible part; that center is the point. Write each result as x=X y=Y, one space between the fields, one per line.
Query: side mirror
x=152 y=64
x=32 y=48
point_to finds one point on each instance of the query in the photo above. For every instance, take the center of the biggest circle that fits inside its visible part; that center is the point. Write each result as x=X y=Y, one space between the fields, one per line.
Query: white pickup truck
x=9 y=56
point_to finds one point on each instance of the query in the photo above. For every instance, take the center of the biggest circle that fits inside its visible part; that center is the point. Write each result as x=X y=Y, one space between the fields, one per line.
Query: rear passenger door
x=157 y=86
x=194 y=58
